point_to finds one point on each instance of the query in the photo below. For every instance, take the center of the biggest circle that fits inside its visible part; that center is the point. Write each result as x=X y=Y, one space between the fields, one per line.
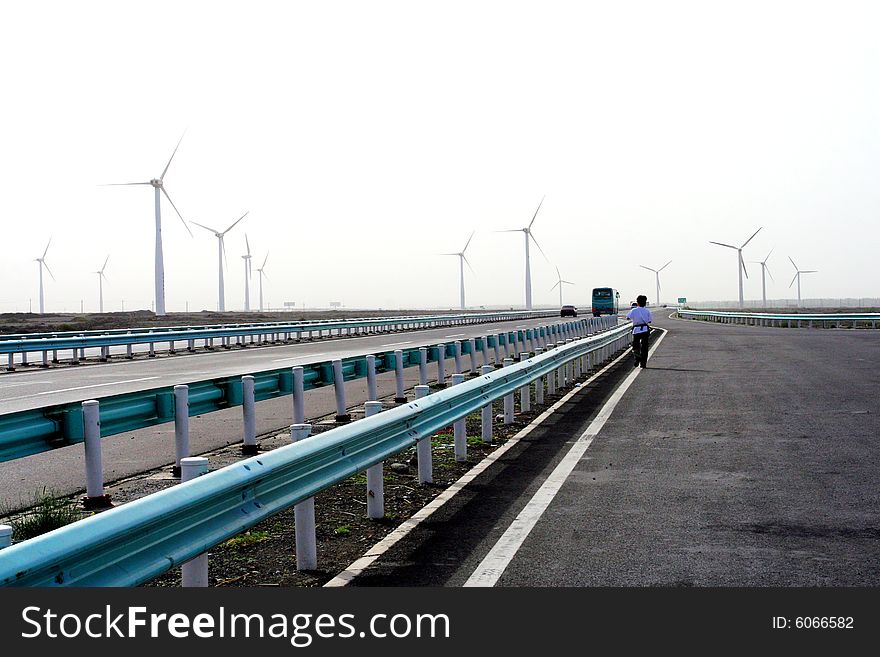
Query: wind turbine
x=461 y=260
x=221 y=255
x=527 y=231
x=657 y=275
x=740 y=265
x=765 y=270
x=560 y=283
x=42 y=261
x=261 y=271
x=247 y=275
x=159 y=186
x=101 y=278
x=798 y=277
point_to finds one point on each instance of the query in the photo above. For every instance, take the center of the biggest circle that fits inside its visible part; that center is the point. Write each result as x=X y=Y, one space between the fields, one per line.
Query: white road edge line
x=360 y=565
x=302 y=357
x=395 y=344
x=98 y=385
x=502 y=553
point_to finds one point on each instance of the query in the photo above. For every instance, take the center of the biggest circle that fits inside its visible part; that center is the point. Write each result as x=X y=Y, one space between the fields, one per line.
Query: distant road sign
x=290 y=304
x=335 y=304
x=682 y=299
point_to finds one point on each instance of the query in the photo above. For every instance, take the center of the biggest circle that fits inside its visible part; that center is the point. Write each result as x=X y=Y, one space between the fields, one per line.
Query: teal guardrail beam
x=783 y=319
x=30 y=432
x=132 y=544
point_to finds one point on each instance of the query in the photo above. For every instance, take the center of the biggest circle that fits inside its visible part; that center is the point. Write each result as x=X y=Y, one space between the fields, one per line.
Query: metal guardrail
x=132 y=544
x=795 y=320
x=39 y=430
x=105 y=340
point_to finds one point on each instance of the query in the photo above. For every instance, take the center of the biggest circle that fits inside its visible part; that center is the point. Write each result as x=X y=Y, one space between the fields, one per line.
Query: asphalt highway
x=743 y=456
x=25 y=390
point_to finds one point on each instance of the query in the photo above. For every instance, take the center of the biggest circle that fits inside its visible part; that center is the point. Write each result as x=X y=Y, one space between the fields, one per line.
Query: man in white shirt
x=641 y=318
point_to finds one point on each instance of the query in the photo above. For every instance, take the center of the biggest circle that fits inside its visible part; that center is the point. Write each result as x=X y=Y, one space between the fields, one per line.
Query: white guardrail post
x=194 y=573
x=525 y=404
x=249 y=417
x=95 y=498
x=372 y=395
x=375 y=477
x=459 y=428
x=441 y=364
x=423 y=366
x=400 y=394
x=423 y=446
x=472 y=345
x=304 y=516
x=486 y=412
x=457 y=353
x=181 y=427
x=299 y=414
x=539 y=382
x=339 y=390
x=508 y=399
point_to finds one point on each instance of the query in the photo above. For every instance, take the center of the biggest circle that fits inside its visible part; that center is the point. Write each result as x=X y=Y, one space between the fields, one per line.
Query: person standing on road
x=641 y=319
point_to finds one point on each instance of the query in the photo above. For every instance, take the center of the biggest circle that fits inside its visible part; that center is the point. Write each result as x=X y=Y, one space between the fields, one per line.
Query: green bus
x=606 y=301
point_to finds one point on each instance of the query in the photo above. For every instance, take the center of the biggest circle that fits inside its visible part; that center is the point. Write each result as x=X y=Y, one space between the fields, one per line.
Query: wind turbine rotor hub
x=155 y=182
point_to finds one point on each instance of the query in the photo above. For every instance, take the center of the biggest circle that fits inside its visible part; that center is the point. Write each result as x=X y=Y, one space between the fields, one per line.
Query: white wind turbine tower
x=159 y=186
x=42 y=261
x=657 y=275
x=740 y=264
x=461 y=260
x=765 y=271
x=261 y=271
x=798 y=277
x=221 y=255
x=101 y=278
x=247 y=275
x=527 y=231
x=560 y=283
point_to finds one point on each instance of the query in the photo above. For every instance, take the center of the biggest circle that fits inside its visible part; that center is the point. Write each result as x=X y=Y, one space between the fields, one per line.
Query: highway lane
x=743 y=456
x=38 y=388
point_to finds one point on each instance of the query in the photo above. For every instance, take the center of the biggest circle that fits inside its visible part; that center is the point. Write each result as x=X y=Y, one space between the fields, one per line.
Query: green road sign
x=682 y=299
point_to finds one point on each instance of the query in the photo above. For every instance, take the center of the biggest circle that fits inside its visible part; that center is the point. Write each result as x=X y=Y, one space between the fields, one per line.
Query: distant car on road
x=568 y=311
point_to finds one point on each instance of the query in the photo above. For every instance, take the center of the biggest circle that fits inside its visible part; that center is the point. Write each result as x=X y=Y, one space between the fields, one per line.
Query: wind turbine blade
x=555 y=286
x=665 y=266
x=751 y=238
x=743 y=264
x=162 y=177
x=569 y=282
x=236 y=221
x=177 y=211
x=539 y=247
x=648 y=268
x=729 y=246
x=767 y=269
x=47 y=269
x=248 y=244
x=768 y=255
x=469 y=241
x=223 y=249
x=509 y=230
x=118 y=184
x=794 y=279
x=468 y=264
x=792 y=263
x=810 y=271
x=47 y=247
x=536 y=211
x=264 y=261
x=455 y=254
x=558 y=274
x=204 y=226
x=105 y=264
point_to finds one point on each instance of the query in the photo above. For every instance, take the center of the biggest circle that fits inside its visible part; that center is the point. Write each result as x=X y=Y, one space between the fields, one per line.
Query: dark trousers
x=640 y=347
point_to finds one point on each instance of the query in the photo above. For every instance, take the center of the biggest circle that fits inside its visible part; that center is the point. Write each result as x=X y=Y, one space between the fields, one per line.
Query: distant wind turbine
x=527 y=231
x=461 y=260
x=797 y=277
x=42 y=261
x=262 y=272
x=221 y=256
x=765 y=271
x=247 y=275
x=101 y=278
x=560 y=283
x=657 y=275
x=740 y=264
x=159 y=186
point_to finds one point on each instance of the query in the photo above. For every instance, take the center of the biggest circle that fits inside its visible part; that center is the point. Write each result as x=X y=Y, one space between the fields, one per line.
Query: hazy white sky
x=366 y=137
